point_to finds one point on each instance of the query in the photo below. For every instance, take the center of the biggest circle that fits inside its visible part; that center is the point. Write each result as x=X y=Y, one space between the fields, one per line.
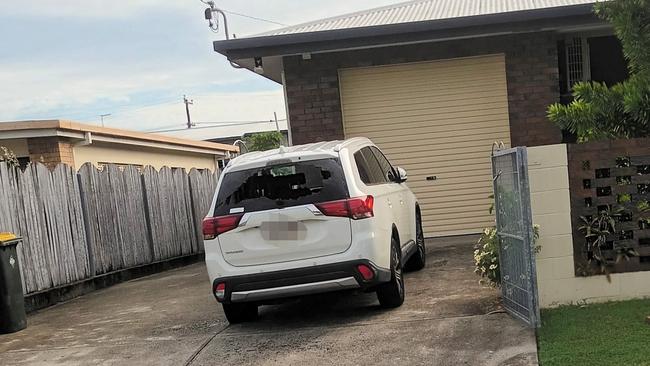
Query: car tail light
x=220 y=291
x=354 y=208
x=214 y=226
x=366 y=272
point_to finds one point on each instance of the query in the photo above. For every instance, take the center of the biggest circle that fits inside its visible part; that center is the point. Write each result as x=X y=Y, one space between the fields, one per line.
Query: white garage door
x=438 y=121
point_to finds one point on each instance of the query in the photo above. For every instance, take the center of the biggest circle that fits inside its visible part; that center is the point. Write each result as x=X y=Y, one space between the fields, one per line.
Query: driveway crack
x=203 y=345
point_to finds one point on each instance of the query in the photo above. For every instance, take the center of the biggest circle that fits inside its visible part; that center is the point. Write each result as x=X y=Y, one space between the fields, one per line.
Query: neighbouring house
x=56 y=141
x=434 y=83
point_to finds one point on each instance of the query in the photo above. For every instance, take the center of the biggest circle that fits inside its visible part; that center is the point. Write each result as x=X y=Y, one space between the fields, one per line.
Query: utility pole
x=187 y=111
x=277 y=126
x=102 y=117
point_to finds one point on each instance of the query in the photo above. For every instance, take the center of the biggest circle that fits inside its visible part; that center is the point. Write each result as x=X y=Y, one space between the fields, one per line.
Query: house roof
x=410 y=22
x=74 y=129
x=421 y=10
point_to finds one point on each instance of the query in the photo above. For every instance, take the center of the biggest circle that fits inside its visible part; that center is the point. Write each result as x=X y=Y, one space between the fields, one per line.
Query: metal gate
x=515 y=233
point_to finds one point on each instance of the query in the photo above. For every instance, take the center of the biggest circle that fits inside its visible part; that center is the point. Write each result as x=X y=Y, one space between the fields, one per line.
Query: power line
x=122 y=109
x=202 y=125
x=254 y=18
x=81 y=114
x=237 y=122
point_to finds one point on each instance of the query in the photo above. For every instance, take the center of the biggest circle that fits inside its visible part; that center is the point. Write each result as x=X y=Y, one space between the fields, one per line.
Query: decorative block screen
x=611 y=176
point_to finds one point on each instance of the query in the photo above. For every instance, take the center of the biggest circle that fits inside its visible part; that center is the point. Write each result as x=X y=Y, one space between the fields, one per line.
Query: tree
x=263 y=141
x=622 y=110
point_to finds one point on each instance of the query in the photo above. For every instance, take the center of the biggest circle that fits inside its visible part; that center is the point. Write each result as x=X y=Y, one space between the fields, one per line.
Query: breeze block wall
x=554 y=183
x=615 y=176
x=531 y=68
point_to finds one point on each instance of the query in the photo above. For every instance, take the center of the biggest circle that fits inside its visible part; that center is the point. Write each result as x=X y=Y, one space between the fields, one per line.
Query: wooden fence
x=77 y=225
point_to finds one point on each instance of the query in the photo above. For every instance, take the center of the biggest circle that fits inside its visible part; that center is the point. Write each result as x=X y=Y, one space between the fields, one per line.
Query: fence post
x=84 y=213
x=147 y=216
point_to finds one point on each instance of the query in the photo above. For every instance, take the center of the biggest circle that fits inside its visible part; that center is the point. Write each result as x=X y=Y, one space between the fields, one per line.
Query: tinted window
x=386 y=167
x=278 y=186
x=362 y=167
x=369 y=169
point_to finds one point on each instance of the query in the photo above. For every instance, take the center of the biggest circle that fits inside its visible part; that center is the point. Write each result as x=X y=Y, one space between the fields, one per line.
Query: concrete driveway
x=172 y=319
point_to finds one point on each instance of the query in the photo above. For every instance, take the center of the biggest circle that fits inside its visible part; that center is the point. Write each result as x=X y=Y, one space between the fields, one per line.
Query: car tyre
x=240 y=313
x=391 y=294
x=419 y=259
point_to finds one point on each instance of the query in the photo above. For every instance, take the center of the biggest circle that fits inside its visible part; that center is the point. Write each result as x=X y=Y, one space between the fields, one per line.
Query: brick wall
x=611 y=175
x=531 y=67
x=50 y=151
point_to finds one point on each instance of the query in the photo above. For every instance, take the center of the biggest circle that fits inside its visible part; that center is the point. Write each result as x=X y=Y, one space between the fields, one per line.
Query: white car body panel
x=317 y=236
x=328 y=240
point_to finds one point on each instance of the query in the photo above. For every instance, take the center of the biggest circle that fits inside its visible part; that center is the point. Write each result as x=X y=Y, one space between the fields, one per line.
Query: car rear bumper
x=299 y=282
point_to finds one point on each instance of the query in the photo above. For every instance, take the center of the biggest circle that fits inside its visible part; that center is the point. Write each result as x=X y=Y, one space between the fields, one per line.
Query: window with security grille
x=575 y=60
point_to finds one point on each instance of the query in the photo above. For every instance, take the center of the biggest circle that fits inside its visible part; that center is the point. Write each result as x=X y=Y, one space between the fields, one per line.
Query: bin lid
x=8 y=239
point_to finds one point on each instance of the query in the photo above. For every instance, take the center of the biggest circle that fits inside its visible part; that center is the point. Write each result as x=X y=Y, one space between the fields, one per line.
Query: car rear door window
x=282 y=185
x=362 y=167
x=387 y=169
x=370 y=171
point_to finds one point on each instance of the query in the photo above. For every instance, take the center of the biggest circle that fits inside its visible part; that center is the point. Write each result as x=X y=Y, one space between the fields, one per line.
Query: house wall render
x=138 y=155
x=55 y=150
x=17 y=146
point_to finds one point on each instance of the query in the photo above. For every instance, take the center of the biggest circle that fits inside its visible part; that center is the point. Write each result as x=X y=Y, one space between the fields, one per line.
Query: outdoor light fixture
x=259 y=66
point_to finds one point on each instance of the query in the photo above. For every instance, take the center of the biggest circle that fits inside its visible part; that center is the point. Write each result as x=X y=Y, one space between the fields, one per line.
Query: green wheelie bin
x=12 y=302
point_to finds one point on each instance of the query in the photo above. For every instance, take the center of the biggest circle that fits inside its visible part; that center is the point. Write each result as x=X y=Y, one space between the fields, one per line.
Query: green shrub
x=486 y=255
x=599 y=111
x=263 y=141
x=8 y=156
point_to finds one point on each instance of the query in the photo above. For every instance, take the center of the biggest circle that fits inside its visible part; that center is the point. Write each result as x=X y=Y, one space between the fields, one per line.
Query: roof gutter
x=88 y=140
x=281 y=44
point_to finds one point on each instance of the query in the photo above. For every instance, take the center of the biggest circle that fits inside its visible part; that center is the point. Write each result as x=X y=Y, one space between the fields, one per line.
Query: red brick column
x=50 y=151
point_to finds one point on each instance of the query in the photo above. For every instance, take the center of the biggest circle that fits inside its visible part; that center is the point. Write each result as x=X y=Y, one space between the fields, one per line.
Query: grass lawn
x=604 y=334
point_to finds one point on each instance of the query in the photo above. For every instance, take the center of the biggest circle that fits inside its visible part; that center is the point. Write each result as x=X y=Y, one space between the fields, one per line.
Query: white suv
x=310 y=219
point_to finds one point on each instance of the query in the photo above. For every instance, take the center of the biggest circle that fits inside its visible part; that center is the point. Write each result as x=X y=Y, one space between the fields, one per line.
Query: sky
x=135 y=59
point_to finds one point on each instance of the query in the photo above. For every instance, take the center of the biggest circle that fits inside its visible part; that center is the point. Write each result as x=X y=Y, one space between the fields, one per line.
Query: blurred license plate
x=283 y=230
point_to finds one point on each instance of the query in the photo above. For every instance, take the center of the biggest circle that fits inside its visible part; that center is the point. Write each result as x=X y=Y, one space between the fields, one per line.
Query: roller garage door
x=437 y=120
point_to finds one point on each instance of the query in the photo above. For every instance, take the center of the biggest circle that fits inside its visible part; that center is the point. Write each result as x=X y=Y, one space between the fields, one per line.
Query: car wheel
x=419 y=259
x=391 y=294
x=239 y=313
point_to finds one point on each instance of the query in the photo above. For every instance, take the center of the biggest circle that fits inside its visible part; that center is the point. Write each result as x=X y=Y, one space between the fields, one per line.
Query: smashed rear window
x=283 y=185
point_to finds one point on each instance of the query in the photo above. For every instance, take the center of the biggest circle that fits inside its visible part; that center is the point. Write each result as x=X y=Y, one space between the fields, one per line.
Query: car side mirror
x=402 y=176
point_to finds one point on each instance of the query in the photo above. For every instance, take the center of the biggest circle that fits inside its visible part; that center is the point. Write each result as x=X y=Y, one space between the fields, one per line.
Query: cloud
x=225 y=108
x=77 y=59
x=91 y=8
x=74 y=91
